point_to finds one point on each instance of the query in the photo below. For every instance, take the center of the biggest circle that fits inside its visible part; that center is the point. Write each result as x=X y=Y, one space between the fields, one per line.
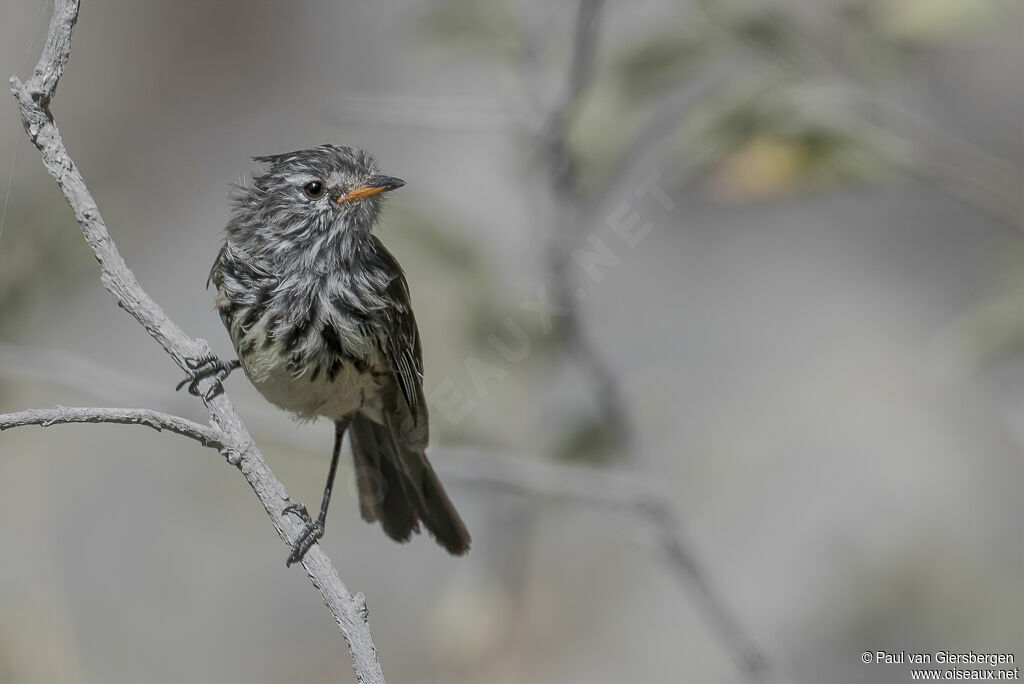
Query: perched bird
x=320 y=315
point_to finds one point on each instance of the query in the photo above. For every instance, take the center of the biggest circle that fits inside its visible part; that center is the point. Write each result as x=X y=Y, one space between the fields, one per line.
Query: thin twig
x=204 y=434
x=34 y=97
x=604 y=488
x=950 y=162
x=562 y=183
x=581 y=67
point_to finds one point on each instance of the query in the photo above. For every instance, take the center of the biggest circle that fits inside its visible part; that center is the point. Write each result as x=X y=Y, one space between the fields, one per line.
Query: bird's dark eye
x=313 y=189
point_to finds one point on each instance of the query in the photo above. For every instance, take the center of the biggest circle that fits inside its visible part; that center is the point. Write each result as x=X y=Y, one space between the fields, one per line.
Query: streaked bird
x=320 y=314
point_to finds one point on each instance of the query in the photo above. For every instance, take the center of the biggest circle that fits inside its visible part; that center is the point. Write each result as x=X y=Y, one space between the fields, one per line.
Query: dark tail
x=398 y=487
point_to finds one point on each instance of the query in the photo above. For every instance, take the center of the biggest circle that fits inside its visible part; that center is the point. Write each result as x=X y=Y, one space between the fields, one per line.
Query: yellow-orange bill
x=359 y=193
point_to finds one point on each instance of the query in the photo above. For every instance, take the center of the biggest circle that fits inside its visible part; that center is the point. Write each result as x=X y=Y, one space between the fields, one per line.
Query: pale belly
x=312 y=392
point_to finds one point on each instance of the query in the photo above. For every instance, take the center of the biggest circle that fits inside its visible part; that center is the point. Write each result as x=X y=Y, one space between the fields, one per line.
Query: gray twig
x=204 y=434
x=34 y=97
x=562 y=183
x=949 y=162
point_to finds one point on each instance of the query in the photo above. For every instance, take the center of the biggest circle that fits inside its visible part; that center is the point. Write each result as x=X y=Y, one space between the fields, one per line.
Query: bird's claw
x=209 y=366
x=313 y=530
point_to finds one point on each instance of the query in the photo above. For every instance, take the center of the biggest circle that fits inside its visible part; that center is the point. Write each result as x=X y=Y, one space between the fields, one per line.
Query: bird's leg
x=314 y=529
x=209 y=366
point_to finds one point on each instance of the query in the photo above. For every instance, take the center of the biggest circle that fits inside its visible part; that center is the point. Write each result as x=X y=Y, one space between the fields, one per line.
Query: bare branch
x=581 y=68
x=33 y=99
x=554 y=135
x=950 y=162
x=563 y=181
x=604 y=488
x=686 y=568
x=157 y=420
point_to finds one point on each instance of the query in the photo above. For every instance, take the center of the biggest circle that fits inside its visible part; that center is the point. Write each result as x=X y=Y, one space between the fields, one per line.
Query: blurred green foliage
x=768 y=140
x=929 y=21
x=661 y=61
x=460 y=273
x=489 y=28
x=795 y=113
x=590 y=440
x=760 y=136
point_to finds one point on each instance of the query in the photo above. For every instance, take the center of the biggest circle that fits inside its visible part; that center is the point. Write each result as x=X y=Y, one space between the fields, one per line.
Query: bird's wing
x=215 y=268
x=405 y=354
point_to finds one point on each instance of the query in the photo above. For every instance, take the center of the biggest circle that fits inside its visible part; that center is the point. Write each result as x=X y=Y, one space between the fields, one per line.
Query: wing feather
x=405 y=354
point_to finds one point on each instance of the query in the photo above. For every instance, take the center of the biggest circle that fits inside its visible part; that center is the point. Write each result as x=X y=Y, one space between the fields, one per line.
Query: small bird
x=320 y=315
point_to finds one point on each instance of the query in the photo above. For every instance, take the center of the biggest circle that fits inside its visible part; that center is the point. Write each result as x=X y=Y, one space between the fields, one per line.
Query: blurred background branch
x=618 y=492
x=561 y=174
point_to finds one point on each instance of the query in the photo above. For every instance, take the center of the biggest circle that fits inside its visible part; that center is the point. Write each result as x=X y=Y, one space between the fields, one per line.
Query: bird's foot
x=310 y=534
x=209 y=366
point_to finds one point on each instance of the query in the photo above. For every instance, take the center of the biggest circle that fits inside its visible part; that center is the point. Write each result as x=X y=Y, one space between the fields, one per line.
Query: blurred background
x=731 y=291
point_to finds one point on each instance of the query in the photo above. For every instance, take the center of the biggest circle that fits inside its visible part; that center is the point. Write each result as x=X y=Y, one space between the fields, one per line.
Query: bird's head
x=324 y=198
